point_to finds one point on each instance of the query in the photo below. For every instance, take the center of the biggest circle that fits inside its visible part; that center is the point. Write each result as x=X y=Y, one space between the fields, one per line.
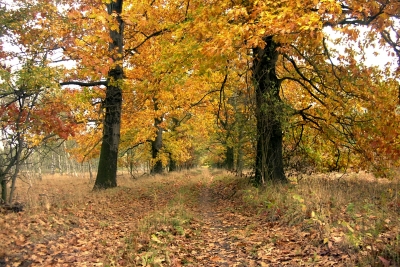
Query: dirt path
x=144 y=224
x=222 y=234
x=220 y=243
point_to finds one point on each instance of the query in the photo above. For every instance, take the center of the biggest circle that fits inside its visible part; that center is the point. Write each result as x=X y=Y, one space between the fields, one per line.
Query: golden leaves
x=176 y=53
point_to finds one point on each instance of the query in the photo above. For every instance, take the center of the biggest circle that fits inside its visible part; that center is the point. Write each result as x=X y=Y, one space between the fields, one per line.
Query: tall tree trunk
x=172 y=164
x=107 y=170
x=229 y=158
x=156 y=146
x=3 y=181
x=269 y=161
x=238 y=128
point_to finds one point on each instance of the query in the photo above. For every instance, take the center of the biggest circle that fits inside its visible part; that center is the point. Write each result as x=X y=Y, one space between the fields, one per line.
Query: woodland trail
x=223 y=239
x=228 y=235
x=176 y=221
x=219 y=242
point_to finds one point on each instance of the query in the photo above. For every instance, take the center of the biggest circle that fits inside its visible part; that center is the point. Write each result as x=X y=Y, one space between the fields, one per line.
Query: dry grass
x=356 y=214
x=52 y=191
x=64 y=208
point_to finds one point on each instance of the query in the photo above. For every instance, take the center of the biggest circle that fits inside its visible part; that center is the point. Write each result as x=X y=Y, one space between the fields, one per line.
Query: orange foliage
x=189 y=61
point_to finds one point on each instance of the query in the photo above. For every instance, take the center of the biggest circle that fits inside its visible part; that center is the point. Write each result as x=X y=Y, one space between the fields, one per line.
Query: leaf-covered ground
x=196 y=218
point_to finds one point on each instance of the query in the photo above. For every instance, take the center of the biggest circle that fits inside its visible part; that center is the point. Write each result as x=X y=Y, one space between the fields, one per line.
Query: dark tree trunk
x=229 y=158
x=269 y=161
x=107 y=170
x=239 y=159
x=172 y=164
x=17 y=157
x=156 y=146
x=3 y=184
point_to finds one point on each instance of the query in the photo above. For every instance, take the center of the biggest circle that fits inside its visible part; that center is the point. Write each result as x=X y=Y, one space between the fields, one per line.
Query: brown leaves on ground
x=184 y=219
x=225 y=235
x=87 y=231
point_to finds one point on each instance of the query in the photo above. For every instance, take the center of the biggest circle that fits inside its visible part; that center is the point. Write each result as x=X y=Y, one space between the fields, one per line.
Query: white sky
x=374 y=56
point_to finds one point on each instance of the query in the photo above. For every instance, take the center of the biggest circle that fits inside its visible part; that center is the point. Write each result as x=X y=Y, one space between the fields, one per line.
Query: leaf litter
x=177 y=220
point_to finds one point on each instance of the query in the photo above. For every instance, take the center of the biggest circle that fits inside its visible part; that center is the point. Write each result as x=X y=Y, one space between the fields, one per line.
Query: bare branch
x=221 y=94
x=154 y=34
x=355 y=20
x=85 y=84
x=208 y=93
x=395 y=45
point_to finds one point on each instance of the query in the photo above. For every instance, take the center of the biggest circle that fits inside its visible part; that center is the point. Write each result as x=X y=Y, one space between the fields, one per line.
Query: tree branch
x=302 y=76
x=132 y=147
x=85 y=84
x=154 y=34
x=208 y=93
x=221 y=94
x=395 y=45
x=354 y=20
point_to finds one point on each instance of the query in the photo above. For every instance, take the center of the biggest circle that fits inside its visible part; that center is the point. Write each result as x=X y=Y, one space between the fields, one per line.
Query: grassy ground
x=204 y=217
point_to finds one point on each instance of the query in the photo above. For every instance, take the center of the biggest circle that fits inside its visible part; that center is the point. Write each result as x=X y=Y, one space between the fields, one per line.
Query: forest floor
x=204 y=217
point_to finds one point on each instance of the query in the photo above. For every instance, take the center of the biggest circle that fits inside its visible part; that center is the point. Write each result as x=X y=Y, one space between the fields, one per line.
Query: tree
x=32 y=112
x=112 y=104
x=128 y=33
x=107 y=170
x=269 y=161
x=175 y=60
x=275 y=34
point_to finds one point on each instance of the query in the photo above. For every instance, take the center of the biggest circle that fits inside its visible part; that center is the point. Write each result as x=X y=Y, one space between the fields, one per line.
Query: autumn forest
x=262 y=107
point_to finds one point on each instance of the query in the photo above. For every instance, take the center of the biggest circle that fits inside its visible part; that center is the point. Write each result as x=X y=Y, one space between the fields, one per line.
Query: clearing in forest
x=204 y=217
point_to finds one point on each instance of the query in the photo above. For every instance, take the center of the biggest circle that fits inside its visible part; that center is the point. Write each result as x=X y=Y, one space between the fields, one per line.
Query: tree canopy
x=267 y=85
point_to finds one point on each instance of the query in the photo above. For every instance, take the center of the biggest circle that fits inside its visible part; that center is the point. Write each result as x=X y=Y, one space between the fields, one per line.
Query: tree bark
x=3 y=184
x=90 y=172
x=269 y=160
x=172 y=164
x=239 y=159
x=229 y=158
x=156 y=146
x=107 y=170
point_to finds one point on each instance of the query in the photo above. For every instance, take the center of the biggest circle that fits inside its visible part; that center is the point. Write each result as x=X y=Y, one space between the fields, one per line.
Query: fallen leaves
x=171 y=222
